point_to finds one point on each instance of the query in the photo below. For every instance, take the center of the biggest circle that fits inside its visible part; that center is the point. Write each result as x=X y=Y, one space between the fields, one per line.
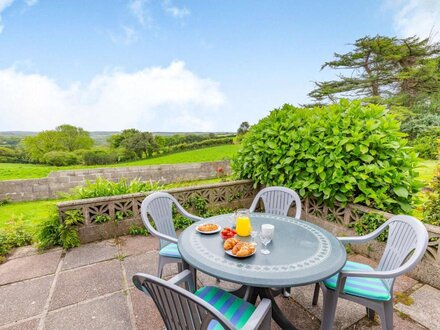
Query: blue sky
x=168 y=65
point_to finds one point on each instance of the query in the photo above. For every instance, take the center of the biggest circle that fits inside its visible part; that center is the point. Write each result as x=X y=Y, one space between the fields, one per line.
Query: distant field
x=29 y=171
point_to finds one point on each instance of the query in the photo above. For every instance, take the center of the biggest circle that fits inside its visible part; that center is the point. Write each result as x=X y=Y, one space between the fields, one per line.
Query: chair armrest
x=184 y=277
x=186 y=214
x=163 y=236
x=264 y=310
x=376 y=273
x=365 y=238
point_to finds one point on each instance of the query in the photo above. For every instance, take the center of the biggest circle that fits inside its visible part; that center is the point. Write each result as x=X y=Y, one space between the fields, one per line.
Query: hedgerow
x=346 y=152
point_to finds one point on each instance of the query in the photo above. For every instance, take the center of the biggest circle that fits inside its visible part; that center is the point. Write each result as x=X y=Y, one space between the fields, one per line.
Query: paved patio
x=90 y=287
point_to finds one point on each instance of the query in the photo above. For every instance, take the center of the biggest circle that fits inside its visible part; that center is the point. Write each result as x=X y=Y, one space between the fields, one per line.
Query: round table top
x=301 y=253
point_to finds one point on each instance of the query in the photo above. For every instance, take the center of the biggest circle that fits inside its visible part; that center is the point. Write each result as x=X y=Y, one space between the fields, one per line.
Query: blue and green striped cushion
x=170 y=250
x=372 y=288
x=236 y=310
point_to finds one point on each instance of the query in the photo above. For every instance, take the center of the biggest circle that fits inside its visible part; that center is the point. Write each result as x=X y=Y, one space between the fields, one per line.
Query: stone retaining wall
x=338 y=220
x=62 y=181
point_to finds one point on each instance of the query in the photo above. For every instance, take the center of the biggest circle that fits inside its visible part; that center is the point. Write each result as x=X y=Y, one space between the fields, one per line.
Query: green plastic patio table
x=301 y=253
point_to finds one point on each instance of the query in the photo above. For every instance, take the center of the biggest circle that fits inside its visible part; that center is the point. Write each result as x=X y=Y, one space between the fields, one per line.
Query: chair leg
x=160 y=267
x=329 y=309
x=370 y=313
x=386 y=315
x=315 y=295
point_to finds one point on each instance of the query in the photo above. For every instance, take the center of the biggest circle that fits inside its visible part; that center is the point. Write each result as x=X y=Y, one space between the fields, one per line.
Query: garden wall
x=62 y=181
x=236 y=194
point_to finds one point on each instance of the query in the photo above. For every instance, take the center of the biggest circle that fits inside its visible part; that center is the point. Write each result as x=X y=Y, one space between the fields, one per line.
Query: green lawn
x=426 y=170
x=28 y=171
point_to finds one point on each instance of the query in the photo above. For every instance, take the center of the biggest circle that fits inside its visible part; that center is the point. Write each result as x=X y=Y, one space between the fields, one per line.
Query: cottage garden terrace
x=349 y=163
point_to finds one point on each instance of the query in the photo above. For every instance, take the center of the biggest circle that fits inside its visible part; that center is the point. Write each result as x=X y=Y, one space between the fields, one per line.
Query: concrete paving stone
x=110 y=312
x=207 y=280
x=398 y=323
x=26 y=325
x=92 y=281
x=29 y=267
x=146 y=263
x=296 y=314
x=145 y=312
x=23 y=299
x=426 y=307
x=28 y=250
x=347 y=312
x=131 y=245
x=87 y=254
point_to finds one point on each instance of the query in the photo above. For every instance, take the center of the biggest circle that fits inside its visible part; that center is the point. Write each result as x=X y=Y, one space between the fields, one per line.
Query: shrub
x=419 y=124
x=52 y=232
x=99 y=157
x=14 y=235
x=431 y=208
x=124 y=155
x=102 y=187
x=61 y=158
x=368 y=223
x=137 y=230
x=345 y=152
x=426 y=144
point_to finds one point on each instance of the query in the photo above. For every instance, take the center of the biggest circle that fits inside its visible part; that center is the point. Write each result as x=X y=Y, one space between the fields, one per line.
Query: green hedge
x=345 y=152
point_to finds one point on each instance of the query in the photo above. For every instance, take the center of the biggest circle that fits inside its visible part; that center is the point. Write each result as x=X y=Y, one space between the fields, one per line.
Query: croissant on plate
x=230 y=243
x=246 y=250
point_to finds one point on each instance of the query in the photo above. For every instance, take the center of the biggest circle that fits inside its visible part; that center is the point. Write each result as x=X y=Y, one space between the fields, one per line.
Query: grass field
x=29 y=171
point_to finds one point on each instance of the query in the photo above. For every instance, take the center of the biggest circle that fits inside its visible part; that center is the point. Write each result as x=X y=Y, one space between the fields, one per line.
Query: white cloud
x=31 y=2
x=416 y=17
x=128 y=36
x=139 y=9
x=175 y=11
x=3 y=5
x=156 y=99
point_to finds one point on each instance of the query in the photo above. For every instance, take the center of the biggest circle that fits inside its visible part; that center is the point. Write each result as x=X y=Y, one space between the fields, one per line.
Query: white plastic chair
x=159 y=206
x=207 y=308
x=406 y=245
x=277 y=201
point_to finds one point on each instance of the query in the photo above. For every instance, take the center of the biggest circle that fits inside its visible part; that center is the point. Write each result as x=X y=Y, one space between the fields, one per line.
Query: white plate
x=232 y=255
x=209 y=232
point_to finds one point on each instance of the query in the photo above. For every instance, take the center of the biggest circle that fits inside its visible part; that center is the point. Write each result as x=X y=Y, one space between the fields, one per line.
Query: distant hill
x=101 y=137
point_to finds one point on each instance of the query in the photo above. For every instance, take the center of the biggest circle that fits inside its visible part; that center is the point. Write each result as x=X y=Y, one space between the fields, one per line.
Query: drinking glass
x=265 y=239
x=254 y=234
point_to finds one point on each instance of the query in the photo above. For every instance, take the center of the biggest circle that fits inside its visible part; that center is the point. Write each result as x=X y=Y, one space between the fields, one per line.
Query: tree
x=244 y=127
x=74 y=138
x=116 y=140
x=63 y=138
x=384 y=69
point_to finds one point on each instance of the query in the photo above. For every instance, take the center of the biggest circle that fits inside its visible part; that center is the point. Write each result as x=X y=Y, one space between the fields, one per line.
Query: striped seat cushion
x=170 y=250
x=236 y=310
x=372 y=288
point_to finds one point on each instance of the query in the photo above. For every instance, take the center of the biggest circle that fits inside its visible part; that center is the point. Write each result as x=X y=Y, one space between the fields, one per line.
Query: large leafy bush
x=427 y=144
x=346 y=152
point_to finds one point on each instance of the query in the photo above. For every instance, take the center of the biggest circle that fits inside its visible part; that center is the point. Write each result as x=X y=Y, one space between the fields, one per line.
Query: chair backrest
x=406 y=244
x=277 y=200
x=159 y=206
x=180 y=309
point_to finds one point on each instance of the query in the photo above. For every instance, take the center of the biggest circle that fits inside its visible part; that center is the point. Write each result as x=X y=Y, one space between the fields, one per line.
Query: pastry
x=237 y=248
x=245 y=249
x=207 y=227
x=230 y=243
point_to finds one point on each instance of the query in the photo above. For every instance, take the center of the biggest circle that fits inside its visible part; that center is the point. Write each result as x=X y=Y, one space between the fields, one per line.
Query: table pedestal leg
x=277 y=314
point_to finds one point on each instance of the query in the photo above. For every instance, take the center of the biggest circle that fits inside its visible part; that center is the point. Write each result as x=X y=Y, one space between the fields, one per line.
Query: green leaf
x=401 y=192
x=367 y=158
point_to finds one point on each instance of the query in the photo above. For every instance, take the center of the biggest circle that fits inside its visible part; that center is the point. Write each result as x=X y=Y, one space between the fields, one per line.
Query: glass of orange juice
x=243 y=222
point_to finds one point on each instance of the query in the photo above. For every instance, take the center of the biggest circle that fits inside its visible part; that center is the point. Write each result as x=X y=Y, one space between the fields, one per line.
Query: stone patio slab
x=426 y=307
x=29 y=267
x=297 y=314
x=109 y=312
x=398 y=323
x=90 y=253
x=88 y=282
x=146 y=263
x=26 y=325
x=132 y=245
x=24 y=299
x=145 y=312
x=347 y=312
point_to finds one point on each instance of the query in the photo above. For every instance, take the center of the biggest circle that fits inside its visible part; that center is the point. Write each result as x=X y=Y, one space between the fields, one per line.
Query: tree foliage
x=399 y=71
x=63 y=138
x=244 y=127
x=345 y=152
